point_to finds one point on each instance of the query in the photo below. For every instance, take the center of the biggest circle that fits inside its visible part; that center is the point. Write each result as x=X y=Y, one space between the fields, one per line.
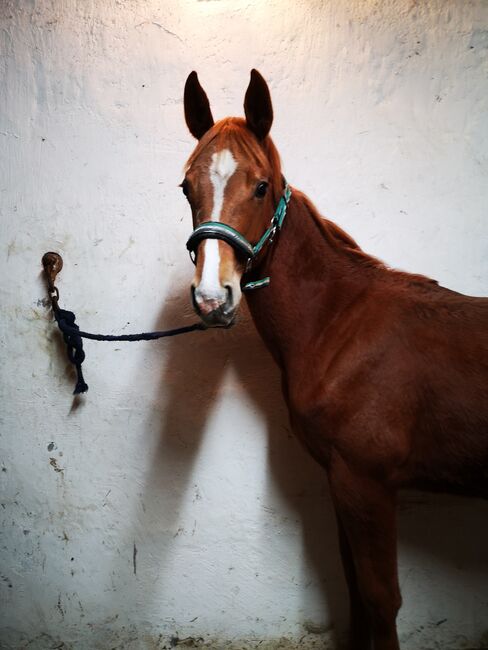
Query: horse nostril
x=229 y=301
x=193 y=297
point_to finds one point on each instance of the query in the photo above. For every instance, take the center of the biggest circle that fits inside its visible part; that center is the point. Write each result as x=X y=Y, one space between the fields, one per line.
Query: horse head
x=233 y=183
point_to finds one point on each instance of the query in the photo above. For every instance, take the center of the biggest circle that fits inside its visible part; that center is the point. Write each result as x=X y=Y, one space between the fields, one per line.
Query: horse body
x=385 y=373
x=386 y=380
x=387 y=369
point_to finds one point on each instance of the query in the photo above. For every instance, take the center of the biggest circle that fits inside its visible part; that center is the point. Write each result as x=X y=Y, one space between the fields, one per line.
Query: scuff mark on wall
x=54 y=464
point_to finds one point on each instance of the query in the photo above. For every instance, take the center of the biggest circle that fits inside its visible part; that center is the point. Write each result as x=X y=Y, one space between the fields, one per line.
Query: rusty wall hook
x=52 y=263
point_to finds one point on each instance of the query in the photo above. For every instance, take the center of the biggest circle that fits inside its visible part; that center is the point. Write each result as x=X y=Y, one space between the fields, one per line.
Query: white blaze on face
x=222 y=167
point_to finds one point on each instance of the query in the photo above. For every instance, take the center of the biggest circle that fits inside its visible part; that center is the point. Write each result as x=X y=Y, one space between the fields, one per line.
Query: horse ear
x=198 y=115
x=257 y=106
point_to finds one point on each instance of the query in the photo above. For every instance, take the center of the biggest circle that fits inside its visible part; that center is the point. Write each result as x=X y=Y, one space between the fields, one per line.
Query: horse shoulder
x=356 y=394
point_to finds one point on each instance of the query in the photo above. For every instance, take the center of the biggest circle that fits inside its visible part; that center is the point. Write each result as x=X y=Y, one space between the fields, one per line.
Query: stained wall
x=172 y=501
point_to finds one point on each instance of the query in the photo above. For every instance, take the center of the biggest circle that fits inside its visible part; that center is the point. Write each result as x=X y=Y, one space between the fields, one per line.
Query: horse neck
x=313 y=279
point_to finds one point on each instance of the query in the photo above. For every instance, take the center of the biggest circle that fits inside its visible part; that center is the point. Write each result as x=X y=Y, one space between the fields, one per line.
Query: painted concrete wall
x=173 y=501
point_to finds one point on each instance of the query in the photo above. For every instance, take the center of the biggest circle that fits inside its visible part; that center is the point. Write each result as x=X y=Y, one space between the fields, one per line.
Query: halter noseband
x=231 y=236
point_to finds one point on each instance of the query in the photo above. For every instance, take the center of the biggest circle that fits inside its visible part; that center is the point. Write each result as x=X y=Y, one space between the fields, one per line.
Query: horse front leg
x=366 y=510
x=359 y=625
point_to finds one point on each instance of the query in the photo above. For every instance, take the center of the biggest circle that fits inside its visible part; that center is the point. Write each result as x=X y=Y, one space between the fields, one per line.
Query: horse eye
x=261 y=190
x=184 y=187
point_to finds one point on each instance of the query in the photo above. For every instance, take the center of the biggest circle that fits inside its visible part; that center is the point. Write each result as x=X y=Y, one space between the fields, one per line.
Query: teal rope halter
x=224 y=232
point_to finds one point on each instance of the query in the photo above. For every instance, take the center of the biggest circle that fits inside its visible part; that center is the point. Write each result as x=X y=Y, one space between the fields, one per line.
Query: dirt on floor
x=307 y=642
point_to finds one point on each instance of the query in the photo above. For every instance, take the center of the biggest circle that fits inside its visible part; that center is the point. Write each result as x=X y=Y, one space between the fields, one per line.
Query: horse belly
x=450 y=438
x=450 y=461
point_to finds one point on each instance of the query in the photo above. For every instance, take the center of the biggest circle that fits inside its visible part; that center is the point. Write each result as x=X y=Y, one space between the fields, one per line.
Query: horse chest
x=337 y=411
x=313 y=414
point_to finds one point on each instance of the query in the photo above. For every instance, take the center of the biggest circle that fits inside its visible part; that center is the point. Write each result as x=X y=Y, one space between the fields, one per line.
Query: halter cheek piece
x=246 y=250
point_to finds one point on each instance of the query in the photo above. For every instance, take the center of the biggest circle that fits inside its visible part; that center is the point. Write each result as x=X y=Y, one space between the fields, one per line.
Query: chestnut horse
x=385 y=373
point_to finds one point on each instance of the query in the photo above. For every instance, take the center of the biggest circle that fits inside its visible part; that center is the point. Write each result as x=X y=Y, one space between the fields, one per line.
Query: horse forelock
x=232 y=133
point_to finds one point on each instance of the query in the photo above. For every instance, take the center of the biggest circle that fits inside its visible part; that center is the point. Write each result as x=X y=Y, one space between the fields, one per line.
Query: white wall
x=173 y=500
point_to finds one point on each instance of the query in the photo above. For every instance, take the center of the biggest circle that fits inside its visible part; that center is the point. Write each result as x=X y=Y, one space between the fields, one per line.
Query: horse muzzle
x=216 y=309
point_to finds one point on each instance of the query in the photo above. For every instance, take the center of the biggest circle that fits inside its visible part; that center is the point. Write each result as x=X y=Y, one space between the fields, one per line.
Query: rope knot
x=74 y=345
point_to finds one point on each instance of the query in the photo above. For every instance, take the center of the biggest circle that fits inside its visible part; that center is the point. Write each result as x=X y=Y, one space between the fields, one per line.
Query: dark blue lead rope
x=73 y=337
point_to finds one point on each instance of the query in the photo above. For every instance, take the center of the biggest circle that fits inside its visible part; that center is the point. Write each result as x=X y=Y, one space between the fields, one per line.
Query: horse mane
x=340 y=240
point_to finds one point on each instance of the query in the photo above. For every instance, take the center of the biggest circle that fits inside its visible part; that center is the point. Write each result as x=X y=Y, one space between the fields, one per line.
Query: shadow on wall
x=191 y=380
x=444 y=539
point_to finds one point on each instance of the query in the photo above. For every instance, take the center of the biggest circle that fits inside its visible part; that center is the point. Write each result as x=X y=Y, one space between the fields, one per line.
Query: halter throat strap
x=231 y=236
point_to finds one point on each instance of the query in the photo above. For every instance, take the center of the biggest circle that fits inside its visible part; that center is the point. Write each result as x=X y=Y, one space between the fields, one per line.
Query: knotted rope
x=74 y=345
